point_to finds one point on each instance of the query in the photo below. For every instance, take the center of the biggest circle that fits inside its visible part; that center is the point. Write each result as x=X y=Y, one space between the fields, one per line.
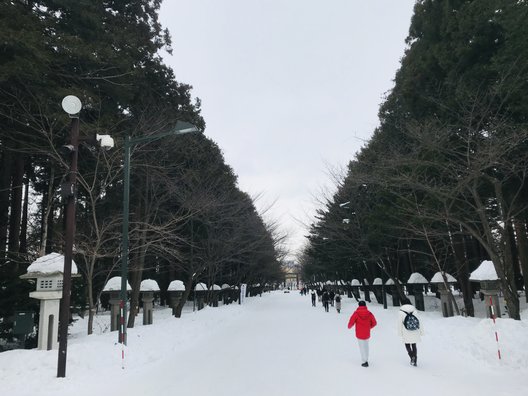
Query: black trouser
x=411 y=350
x=325 y=305
x=313 y=301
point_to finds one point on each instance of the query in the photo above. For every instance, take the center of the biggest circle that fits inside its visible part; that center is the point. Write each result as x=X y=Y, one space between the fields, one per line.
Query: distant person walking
x=313 y=298
x=331 y=299
x=338 y=303
x=326 y=299
x=364 y=320
x=410 y=329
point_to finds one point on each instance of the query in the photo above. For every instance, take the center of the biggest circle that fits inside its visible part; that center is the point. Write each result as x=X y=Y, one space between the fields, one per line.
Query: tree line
x=188 y=218
x=441 y=185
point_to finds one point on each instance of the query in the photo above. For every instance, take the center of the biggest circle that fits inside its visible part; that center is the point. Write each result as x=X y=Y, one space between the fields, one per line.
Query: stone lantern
x=366 y=290
x=48 y=271
x=215 y=294
x=226 y=291
x=147 y=288
x=489 y=286
x=377 y=286
x=355 y=288
x=340 y=287
x=199 y=293
x=176 y=289
x=235 y=293
x=113 y=287
x=445 y=300
x=394 y=292
x=416 y=283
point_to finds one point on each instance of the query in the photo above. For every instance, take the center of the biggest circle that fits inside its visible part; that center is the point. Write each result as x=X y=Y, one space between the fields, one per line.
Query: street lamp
x=181 y=127
x=71 y=105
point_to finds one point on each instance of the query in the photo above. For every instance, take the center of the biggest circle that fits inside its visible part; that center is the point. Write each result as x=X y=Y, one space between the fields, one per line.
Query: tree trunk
x=522 y=244
x=15 y=217
x=24 y=225
x=135 y=279
x=5 y=189
x=188 y=287
x=46 y=207
x=509 y=284
x=463 y=273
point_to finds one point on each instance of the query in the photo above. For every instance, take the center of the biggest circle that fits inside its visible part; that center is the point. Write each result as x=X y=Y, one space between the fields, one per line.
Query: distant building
x=292 y=275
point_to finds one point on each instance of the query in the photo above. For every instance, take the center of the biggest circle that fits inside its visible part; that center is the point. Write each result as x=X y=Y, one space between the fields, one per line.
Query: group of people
x=409 y=329
x=327 y=298
x=409 y=326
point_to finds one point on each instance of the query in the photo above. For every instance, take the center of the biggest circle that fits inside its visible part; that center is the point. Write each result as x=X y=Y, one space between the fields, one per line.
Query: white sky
x=290 y=89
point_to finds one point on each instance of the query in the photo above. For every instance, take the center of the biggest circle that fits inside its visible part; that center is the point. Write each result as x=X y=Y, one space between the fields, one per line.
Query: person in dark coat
x=313 y=298
x=364 y=320
x=319 y=294
x=326 y=301
x=331 y=296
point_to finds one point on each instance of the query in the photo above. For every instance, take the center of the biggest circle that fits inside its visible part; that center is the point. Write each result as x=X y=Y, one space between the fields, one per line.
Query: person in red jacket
x=364 y=321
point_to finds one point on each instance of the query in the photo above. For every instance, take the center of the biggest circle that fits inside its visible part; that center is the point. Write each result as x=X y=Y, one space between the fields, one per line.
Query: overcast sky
x=290 y=89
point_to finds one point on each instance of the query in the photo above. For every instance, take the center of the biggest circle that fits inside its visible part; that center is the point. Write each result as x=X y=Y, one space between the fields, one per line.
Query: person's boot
x=364 y=364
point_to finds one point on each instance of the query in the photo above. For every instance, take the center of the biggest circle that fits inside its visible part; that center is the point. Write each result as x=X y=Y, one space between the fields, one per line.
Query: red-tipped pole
x=495 y=325
x=122 y=330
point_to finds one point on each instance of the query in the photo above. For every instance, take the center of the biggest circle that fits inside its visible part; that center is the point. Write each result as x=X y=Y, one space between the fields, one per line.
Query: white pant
x=363 y=349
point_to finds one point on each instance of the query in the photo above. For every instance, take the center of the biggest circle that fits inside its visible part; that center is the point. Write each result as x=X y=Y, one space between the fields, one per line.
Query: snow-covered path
x=278 y=344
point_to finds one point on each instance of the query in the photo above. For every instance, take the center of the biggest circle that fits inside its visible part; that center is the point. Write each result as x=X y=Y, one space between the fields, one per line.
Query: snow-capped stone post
x=226 y=290
x=329 y=285
x=416 y=283
x=215 y=294
x=445 y=299
x=113 y=287
x=355 y=289
x=348 y=288
x=489 y=286
x=199 y=293
x=235 y=294
x=147 y=288
x=175 y=290
x=393 y=292
x=377 y=285
x=48 y=271
x=366 y=290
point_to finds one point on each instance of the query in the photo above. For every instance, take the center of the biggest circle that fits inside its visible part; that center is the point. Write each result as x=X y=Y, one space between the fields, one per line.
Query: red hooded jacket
x=364 y=321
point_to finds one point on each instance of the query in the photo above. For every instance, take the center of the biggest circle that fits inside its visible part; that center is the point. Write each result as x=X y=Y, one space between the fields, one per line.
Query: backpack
x=410 y=322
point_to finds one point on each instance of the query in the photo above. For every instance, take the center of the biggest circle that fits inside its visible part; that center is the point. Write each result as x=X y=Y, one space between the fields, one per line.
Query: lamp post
x=71 y=105
x=181 y=127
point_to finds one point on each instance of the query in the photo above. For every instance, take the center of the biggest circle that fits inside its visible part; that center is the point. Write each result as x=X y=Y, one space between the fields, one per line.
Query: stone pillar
x=214 y=298
x=147 y=298
x=200 y=296
x=445 y=301
x=174 y=299
x=225 y=296
x=395 y=296
x=48 y=324
x=114 y=301
x=418 y=297
x=490 y=289
x=367 y=293
x=376 y=289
